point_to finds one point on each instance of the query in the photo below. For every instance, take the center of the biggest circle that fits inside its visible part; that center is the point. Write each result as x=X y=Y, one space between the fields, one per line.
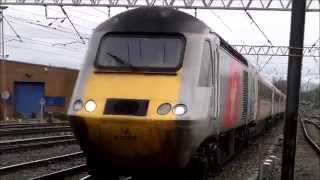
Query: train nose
x=150 y=143
x=137 y=143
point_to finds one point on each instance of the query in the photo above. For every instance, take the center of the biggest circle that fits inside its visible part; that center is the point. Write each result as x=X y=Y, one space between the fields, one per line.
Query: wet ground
x=307 y=160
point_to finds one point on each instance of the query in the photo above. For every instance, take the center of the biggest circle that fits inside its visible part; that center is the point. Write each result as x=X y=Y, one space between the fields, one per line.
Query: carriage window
x=206 y=72
x=264 y=91
x=154 y=53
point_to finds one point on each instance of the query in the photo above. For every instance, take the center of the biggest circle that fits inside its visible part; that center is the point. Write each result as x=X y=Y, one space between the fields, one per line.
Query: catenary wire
x=13 y=30
x=75 y=29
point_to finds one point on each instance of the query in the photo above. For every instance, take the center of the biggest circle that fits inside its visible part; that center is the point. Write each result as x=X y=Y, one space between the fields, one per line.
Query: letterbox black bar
x=293 y=88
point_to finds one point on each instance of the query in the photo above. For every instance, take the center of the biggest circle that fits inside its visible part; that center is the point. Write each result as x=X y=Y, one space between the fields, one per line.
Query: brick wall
x=58 y=82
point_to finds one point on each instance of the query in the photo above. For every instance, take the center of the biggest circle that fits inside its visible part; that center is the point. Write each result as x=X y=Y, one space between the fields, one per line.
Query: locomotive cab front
x=140 y=102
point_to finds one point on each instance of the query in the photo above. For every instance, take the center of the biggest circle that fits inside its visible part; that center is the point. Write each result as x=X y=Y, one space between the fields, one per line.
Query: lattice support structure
x=272 y=5
x=275 y=50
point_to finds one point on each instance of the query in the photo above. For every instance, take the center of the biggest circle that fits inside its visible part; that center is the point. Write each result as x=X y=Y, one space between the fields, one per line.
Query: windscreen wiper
x=121 y=61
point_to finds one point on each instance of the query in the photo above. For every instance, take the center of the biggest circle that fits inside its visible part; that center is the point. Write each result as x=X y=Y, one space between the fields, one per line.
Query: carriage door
x=206 y=78
x=216 y=80
x=252 y=96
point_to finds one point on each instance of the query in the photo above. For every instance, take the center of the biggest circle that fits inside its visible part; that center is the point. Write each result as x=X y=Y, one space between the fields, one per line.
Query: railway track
x=5 y=170
x=25 y=125
x=86 y=177
x=312 y=139
x=34 y=130
x=14 y=145
x=63 y=173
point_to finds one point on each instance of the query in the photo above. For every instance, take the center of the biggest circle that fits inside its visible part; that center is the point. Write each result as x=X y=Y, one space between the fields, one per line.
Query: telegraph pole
x=293 y=88
x=3 y=73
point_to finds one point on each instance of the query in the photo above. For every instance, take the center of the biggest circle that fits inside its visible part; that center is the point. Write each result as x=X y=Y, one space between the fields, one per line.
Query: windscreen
x=149 y=53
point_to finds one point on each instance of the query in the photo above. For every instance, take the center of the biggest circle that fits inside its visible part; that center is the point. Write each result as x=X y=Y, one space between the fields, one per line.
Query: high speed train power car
x=160 y=92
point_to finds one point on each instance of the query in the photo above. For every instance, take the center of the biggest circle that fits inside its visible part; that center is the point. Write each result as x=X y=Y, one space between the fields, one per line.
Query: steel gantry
x=274 y=5
x=266 y=50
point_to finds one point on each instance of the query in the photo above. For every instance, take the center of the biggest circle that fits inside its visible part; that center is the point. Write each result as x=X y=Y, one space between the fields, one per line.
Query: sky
x=51 y=40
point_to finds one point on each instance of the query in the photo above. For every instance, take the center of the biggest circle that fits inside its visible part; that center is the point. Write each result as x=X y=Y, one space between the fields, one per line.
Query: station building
x=23 y=86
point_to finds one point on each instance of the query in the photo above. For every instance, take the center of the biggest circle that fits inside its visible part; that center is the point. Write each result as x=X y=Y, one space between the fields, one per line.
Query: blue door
x=27 y=98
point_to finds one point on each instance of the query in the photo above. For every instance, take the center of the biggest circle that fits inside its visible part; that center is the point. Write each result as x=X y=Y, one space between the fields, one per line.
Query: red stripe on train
x=233 y=96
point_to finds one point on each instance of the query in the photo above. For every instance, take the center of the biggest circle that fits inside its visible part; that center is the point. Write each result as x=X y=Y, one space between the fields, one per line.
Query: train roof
x=154 y=20
x=232 y=51
x=161 y=20
x=242 y=59
x=268 y=83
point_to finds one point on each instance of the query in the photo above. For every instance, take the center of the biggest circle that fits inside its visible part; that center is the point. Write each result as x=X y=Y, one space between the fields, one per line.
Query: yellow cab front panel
x=128 y=140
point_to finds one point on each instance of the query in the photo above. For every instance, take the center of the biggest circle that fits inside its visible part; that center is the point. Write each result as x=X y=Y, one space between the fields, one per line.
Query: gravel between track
x=33 y=172
x=25 y=136
x=11 y=158
x=245 y=164
x=307 y=160
x=314 y=132
x=29 y=155
x=77 y=176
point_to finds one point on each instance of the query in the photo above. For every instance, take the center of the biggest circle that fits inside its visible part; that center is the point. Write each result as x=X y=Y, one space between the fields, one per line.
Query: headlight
x=90 y=106
x=179 y=109
x=77 y=105
x=164 y=109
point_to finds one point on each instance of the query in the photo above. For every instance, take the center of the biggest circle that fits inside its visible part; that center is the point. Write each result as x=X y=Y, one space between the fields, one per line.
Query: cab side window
x=206 y=69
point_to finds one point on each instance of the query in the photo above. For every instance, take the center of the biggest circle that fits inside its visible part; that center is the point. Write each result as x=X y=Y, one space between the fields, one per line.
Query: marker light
x=179 y=109
x=164 y=109
x=77 y=105
x=90 y=106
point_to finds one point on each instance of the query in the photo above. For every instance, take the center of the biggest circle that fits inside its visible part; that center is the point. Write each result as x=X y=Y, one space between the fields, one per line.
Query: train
x=161 y=93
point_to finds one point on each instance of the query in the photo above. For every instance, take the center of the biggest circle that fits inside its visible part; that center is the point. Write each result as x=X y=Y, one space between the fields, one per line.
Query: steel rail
x=35 y=142
x=306 y=134
x=314 y=123
x=28 y=146
x=62 y=173
x=24 y=125
x=29 y=140
x=34 y=130
x=10 y=168
x=313 y=116
x=86 y=177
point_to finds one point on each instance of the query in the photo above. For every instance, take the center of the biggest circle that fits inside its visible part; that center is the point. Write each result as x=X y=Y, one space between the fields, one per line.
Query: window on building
x=206 y=69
